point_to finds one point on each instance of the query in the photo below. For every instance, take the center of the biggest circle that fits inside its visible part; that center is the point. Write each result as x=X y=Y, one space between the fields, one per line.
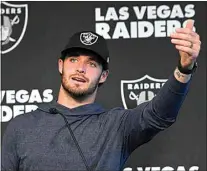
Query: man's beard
x=76 y=92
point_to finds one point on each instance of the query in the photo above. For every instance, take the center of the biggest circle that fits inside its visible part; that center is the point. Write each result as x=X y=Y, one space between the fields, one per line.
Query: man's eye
x=73 y=60
x=92 y=64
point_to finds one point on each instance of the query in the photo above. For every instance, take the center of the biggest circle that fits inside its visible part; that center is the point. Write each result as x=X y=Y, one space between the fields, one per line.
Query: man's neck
x=68 y=101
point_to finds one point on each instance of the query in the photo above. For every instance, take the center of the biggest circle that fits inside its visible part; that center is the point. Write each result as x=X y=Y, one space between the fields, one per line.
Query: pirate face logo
x=5 y=30
x=13 y=25
x=88 y=38
x=135 y=92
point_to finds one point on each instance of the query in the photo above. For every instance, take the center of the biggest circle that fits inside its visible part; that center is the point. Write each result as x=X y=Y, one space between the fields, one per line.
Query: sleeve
x=142 y=123
x=9 y=157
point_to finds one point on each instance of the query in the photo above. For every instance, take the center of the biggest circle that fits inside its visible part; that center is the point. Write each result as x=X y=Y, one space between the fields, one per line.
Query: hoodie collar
x=88 y=109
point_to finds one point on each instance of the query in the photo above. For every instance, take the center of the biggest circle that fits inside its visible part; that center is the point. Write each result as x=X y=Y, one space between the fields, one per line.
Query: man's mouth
x=78 y=79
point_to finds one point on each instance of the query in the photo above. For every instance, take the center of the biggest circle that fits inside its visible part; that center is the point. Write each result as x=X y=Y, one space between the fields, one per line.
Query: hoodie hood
x=88 y=109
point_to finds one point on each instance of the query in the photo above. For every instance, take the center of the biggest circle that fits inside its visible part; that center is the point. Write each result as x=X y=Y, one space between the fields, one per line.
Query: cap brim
x=68 y=50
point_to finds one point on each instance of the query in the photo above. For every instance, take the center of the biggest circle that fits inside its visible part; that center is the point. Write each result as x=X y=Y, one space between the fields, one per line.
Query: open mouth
x=78 y=79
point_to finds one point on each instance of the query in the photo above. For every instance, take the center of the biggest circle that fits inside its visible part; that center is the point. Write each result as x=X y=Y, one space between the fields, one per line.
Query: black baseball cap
x=88 y=40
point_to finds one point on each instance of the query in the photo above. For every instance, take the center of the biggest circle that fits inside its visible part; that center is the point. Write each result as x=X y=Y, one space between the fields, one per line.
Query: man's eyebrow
x=72 y=56
x=93 y=59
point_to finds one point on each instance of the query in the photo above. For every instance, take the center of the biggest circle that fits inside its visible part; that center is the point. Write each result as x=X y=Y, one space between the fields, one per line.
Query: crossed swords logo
x=133 y=96
x=140 y=97
x=6 y=29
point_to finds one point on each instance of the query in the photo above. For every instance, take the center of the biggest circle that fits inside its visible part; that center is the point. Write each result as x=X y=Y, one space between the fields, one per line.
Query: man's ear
x=60 y=66
x=104 y=76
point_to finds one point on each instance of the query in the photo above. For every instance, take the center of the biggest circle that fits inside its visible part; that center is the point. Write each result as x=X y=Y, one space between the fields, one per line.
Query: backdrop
x=141 y=59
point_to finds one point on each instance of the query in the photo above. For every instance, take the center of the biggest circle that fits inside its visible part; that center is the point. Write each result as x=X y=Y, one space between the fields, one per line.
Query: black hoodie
x=40 y=140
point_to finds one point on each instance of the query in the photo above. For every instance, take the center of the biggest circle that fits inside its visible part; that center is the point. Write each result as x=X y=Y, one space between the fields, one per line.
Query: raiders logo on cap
x=88 y=38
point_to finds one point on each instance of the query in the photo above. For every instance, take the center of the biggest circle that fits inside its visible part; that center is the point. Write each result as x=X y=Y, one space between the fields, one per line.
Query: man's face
x=81 y=75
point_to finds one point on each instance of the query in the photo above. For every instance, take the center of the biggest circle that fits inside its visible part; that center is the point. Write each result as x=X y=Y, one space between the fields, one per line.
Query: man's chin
x=78 y=92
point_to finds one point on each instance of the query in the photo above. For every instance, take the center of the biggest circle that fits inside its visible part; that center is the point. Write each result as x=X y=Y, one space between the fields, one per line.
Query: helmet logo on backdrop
x=14 y=19
x=135 y=92
x=88 y=38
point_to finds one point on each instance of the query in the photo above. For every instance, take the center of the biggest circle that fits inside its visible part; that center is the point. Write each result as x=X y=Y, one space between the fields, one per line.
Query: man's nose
x=81 y=68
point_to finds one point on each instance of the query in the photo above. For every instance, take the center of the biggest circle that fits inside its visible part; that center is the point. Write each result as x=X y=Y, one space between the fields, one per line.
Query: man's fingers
x=186 y=31
x=190 y=24
x=181 y=42
x=185 y=43
x=184 y=49
x=193 y=52
x=182 y=36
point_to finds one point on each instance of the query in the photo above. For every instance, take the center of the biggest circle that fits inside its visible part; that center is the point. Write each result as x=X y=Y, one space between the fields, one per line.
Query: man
x=74 y=133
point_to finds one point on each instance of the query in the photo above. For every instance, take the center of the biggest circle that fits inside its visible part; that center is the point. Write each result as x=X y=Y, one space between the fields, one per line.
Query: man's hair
x=81 y=51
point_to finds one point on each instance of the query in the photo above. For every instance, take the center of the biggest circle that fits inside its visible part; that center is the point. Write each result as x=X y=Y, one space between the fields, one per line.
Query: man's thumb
x=190 y=24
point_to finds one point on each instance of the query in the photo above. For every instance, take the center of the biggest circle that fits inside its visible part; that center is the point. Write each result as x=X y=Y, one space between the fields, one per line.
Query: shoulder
x=27 y=120
x=122 y=110
x=116 y=110
x=116 y=114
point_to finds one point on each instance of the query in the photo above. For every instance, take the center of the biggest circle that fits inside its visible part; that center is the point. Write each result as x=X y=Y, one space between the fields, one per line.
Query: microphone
x=55 y=111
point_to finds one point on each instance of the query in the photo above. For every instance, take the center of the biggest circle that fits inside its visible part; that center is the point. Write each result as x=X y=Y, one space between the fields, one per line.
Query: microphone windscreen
x=53 y=111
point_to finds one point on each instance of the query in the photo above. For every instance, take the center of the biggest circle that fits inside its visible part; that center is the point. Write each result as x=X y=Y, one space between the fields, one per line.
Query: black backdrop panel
x=140 y=49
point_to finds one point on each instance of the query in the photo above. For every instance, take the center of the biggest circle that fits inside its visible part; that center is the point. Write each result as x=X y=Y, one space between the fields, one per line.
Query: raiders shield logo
x=14 y=19
x=135 y=92
x=88 y=38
